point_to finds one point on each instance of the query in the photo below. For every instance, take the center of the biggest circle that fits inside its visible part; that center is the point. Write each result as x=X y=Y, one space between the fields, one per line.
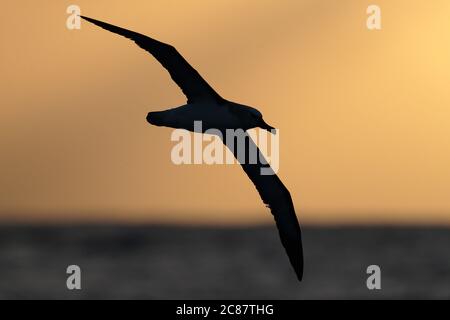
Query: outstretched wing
x=185 y=76
x=277 y=197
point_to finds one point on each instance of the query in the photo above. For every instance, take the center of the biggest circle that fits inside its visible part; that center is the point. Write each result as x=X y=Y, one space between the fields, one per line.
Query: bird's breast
x=212 y=117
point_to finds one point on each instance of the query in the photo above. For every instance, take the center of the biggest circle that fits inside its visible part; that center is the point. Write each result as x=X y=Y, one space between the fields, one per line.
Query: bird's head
x=256 y=120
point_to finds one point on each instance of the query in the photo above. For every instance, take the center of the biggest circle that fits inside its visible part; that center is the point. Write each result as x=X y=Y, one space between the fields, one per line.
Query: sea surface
x=165 y=262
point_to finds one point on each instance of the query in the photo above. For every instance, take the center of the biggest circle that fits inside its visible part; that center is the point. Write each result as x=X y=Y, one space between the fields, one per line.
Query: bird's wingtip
x=299 y=274
x=89 y=19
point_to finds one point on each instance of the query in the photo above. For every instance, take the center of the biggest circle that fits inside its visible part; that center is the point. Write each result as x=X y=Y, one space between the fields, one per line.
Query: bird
x=205 y=104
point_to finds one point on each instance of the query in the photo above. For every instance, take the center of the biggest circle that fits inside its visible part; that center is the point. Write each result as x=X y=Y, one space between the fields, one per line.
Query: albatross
x=206 y=105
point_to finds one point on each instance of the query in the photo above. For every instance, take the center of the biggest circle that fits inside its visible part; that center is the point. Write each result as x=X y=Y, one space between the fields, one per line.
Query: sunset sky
x=364 y=116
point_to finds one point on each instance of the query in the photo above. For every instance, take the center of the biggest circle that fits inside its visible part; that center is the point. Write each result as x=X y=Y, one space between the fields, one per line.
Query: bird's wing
x=185 y=76
x=276 y=197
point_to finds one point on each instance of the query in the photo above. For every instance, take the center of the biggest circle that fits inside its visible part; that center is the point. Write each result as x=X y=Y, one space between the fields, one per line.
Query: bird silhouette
x=206 y=105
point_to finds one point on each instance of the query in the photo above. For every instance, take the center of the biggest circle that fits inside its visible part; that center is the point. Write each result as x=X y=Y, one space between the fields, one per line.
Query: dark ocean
x=163 y=262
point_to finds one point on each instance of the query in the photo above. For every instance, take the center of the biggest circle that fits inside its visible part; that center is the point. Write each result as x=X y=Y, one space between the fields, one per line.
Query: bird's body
x=206 y=105
x=221 y=116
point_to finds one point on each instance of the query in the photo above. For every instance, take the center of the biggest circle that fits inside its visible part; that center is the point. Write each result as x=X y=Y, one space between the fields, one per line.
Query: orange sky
x=364 y=116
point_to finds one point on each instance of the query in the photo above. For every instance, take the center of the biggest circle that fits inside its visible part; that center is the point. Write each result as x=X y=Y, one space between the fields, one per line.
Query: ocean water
x=164 y=262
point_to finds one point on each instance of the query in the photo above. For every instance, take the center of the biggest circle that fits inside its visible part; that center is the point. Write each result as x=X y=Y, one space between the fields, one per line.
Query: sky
x=364 y=115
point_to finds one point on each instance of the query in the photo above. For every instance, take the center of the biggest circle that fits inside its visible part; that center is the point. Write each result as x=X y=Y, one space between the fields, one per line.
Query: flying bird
x=206 y=105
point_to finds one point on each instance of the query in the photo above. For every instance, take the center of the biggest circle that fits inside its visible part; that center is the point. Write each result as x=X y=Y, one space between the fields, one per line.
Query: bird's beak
x=265 y=126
